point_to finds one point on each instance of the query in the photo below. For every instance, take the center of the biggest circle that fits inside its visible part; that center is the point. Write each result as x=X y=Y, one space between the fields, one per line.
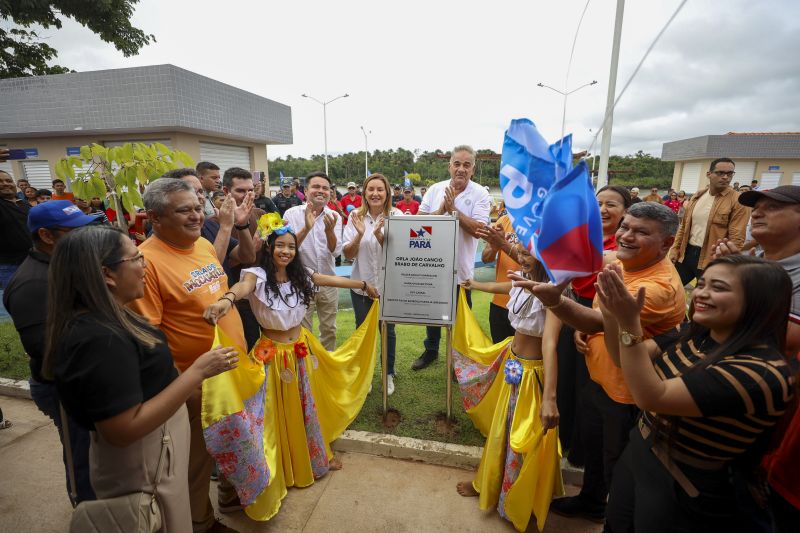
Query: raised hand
x=492 y=234
x=242 y=212
x=377 y=228
x=615 y=298
x=357 y=222
x=226 y=212
x=548 y=294
x=449 y=202
x=309 y=217
x=330 y=221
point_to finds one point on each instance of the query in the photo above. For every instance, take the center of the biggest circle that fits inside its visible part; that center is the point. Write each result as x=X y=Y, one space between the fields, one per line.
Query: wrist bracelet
x=242 y=227
x=227 y=299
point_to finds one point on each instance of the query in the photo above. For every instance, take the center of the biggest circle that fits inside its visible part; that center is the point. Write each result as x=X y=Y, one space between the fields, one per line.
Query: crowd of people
x=669 y=376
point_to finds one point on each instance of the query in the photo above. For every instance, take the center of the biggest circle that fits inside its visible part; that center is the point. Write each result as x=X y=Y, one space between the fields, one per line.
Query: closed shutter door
x=690 y=177
x=225 y=156
x=769 y=180
x=38 y=174
x=745 y=172
x=6 y=167
x=796 y=178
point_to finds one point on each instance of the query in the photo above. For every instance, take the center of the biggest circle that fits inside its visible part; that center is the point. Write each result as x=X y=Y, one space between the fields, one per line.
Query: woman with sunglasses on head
x=114 y=372
x=304 y=395
x=363 y=244
x=709 y=403
x=509 y=392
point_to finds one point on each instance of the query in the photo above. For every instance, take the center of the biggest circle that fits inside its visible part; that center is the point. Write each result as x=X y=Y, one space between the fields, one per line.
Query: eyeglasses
x=138 y=257
x=720 y=173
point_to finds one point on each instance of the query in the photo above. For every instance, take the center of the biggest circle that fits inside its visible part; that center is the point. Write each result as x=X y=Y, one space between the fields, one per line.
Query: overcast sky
x=433 y=74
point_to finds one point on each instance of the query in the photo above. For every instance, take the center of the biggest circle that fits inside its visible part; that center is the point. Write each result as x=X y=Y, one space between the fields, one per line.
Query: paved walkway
x=371 y=494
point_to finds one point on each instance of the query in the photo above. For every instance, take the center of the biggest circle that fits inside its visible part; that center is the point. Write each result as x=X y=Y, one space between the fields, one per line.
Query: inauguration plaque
x=420 y=282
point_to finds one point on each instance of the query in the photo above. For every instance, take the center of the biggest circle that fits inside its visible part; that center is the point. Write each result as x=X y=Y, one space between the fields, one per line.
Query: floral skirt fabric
x=520 y=470
x=269 y=422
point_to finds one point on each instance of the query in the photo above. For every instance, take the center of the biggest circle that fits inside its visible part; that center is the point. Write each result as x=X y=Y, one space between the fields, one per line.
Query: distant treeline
x=425 y=168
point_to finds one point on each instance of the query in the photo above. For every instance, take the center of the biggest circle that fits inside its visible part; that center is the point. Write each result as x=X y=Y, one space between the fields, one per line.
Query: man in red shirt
x=351 y=198
x=408 y=205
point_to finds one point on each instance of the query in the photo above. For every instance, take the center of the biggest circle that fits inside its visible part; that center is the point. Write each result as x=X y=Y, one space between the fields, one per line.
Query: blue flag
x=570 y=241
x=369 y=172
x=528 y=168
x=281 y=173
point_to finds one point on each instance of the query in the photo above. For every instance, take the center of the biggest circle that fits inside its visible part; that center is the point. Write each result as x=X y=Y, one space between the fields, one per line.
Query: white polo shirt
x=314 y=249
x=473 y=202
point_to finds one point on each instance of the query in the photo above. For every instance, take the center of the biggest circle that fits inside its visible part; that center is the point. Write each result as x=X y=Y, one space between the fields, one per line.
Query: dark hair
x=43 y=192
x=763 y=320
x=662 y=214
x=720 y=160
x=235 y=172
x=76 y=284
x=295 y=271
x=319 y=174
x=203 y=166
x=58 y=180
x=622 y=191
x=179 y=173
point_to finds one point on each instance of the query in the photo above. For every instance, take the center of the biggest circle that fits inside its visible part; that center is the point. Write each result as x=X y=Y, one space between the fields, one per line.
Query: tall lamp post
x=366 y=152
x=325 y=120
x=565 y=93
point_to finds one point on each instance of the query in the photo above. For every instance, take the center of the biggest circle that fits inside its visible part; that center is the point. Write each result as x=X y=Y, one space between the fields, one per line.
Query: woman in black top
x=709 y=403
x=114 y=372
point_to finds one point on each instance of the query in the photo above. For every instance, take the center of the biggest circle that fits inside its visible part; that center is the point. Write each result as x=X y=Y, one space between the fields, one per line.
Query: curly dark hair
x=301 y=282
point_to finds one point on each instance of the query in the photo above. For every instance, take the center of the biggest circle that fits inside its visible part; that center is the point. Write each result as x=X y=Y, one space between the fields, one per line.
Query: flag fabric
x=569 y=242
x=281 y=173
x=369 y=172
x=528 y=168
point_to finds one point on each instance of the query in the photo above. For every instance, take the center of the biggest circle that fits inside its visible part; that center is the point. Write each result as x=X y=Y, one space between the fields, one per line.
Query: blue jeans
x=434 y=333
x=361 y=306
x=45 y=396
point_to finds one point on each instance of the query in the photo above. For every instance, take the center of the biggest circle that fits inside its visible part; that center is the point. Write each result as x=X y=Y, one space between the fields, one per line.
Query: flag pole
x=605 y=146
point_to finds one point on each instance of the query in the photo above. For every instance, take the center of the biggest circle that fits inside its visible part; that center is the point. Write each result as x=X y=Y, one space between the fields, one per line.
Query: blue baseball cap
x=57 y=214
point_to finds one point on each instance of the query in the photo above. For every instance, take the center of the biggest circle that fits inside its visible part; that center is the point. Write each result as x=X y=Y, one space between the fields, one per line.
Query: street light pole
x=366 y=152
x=605 y=144
x=565 y=93
x=325 y=120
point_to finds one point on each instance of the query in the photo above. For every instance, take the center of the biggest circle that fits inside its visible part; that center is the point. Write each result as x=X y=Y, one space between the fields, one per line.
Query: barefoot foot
x=335 y=463
x=466 y=489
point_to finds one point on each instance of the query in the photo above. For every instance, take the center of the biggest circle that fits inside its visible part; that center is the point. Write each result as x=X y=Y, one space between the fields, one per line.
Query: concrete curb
x=380 y=444
x=426 y=451
x=14 y=388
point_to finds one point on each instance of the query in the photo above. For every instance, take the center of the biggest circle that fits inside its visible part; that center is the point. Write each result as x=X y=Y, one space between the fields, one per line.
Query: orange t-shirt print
x=179 y=286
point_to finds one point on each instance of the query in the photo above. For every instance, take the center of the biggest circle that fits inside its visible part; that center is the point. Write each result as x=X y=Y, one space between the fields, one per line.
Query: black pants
x=645 y=497
x=572 y=377
x=434 y=333
x=499 y=325
x=687 y=269
x=252 y=331
x=605 y=426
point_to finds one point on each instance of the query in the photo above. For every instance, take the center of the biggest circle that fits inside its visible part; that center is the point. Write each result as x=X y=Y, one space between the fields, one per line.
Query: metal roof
x=782 y=145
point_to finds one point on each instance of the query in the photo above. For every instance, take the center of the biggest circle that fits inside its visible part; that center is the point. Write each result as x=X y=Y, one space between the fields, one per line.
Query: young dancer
x=509 y=392
x=293 y=397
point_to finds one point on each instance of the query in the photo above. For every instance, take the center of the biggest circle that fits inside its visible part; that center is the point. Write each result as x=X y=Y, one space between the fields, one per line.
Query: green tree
x=119 y=172
x=22 y=53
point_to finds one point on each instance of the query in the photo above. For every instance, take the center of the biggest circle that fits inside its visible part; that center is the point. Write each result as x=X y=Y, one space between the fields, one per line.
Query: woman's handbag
x=133 y=513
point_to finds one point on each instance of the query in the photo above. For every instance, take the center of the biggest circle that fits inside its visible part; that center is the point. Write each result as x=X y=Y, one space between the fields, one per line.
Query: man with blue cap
x=25 y=298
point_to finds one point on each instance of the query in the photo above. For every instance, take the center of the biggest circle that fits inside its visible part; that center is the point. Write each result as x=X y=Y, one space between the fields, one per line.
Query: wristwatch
x=629 y=339
x=242 y=227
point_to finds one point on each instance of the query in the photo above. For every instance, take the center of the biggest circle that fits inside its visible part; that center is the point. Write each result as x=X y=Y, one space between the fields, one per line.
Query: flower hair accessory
x=272 y=222
x=513 y=372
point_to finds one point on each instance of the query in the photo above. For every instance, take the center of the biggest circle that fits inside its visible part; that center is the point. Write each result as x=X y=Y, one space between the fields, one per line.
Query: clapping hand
x=242 y=212
x=449 y=202
x=357 y=222
x=330 y=221
x=309 y=218
x=226 y=212
x=492 y=234
x=616 y=300
x=377 y=228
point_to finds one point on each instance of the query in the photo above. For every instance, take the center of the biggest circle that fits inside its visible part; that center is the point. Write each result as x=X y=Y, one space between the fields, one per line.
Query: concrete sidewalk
x=370 y=494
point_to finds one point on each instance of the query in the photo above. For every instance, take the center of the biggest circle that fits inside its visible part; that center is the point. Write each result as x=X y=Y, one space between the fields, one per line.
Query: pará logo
x=420 y=238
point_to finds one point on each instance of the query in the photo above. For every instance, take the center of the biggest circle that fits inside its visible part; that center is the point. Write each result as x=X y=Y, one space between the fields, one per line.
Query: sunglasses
x=138 y=257
x=720 y=173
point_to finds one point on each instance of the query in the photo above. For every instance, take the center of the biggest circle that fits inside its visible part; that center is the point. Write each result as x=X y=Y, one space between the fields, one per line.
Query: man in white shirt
x=471 y=201
x=317 y=228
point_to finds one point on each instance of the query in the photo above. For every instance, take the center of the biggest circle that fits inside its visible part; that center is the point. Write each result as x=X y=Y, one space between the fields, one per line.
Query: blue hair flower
x=513 y=371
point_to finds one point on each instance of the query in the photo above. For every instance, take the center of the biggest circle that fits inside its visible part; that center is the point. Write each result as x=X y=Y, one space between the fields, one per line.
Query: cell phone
x=17 y=154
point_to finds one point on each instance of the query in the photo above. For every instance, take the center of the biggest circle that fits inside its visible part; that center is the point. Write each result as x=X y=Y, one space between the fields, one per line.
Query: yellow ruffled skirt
x=520 y=469
x=269 y=424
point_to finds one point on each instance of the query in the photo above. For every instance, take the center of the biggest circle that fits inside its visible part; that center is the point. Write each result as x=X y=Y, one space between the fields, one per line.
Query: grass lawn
x=419 y=395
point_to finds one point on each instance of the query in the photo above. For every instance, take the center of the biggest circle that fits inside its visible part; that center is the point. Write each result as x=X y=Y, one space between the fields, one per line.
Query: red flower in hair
x=300 y=349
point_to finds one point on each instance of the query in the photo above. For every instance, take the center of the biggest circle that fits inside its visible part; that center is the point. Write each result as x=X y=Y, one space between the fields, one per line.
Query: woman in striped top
x=709 y=403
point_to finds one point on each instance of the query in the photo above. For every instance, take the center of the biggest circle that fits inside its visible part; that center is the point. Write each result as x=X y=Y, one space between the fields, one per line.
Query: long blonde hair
x=387 y=203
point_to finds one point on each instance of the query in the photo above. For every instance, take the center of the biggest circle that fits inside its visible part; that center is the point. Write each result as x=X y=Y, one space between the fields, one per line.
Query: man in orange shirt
x=183 y=276
x=498 y=248
x=608 y=412
x=60 y=191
